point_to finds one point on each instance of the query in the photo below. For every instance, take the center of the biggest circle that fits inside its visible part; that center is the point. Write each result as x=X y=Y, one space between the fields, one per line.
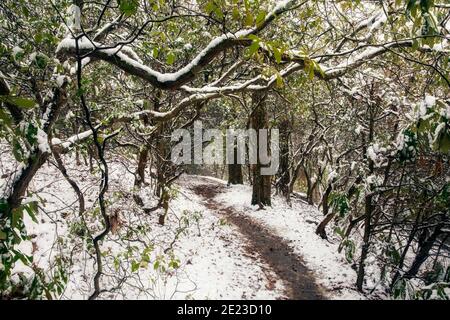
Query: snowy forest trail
x=290 y=268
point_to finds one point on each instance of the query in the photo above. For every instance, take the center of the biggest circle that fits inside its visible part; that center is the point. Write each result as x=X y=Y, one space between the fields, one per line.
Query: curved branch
x=171 y=80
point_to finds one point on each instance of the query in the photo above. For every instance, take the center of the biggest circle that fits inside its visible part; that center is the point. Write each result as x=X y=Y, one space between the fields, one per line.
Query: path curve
x=298 y=280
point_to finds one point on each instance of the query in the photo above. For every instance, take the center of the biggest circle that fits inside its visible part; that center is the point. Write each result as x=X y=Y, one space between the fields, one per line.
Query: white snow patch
x=60 y=80
x=16 y=50
x=74 y=21
x=42 y=140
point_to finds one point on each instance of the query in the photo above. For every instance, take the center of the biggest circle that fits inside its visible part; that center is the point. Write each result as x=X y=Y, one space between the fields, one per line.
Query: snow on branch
x=105 y=29
x=171 y=80
x=63 y=147
x=368 y=54
x=298 y=63
x=257 y=83
x=72 y=141
x=372 y=24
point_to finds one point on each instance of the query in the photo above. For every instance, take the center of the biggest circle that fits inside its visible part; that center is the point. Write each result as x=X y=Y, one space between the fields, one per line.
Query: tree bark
x=369 y=208
x=423 y=253
x=140 y=175
x=284 y=172
x=261 y=184
x=235 y=171
x=310 y=185
x=37 y=157
x=366 y=241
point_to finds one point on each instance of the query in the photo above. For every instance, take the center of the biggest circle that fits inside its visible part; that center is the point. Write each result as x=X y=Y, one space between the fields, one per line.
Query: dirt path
x=272 y=249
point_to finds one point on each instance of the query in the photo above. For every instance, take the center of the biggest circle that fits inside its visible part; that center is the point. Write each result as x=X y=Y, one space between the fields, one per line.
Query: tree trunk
x=423 y=253
x=366 y=241
x=37 y=158
x=140 y=171
x=325 y=205
x=309 y=185
x=328 y=216
x=401 y=262
x=235 y=171
x=285 y=175
x=165 y=197
x=140 y=175
x=369 y=208
x=261 y=183
x=160 y=161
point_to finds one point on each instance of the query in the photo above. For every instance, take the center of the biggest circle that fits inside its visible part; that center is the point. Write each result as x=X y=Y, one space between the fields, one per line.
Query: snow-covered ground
x=212 y=264
x=297 y=224
x=211 y=256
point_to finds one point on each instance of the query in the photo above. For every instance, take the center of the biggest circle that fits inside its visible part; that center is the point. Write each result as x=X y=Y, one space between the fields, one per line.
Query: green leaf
x=277 y=55
x=280 y=82
x=100 y=139
x=444 y=143
x=41 y=60
x=17 y=150
x=426 y=294
x=339 y=232
x=411 y=8
x=349 y=250
x=134 y=266
x=31 y=134
x=22 y=102
x=17 y=217
x=116 y=263
x=31 y=209
x=19 y=102
x=260 y=18
x=441 y=293
x=394 y=255
x=25 y=11
x=5 y=118
x=399 y=289
x=174 y=264
x=415 y=45
x=39 y=37
x=209 y=8
x=26 y=260
x=311 y=72
x=236 y=14
x=155 y=52
x=254 y=47
x=129 y=7
x=249 y=19
x=423 y=125
x=19 y=55
x=254 y=37
x=218 y=12
x=317 y=67
x=3 y=206
x=143 y=264
x=170 y=58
